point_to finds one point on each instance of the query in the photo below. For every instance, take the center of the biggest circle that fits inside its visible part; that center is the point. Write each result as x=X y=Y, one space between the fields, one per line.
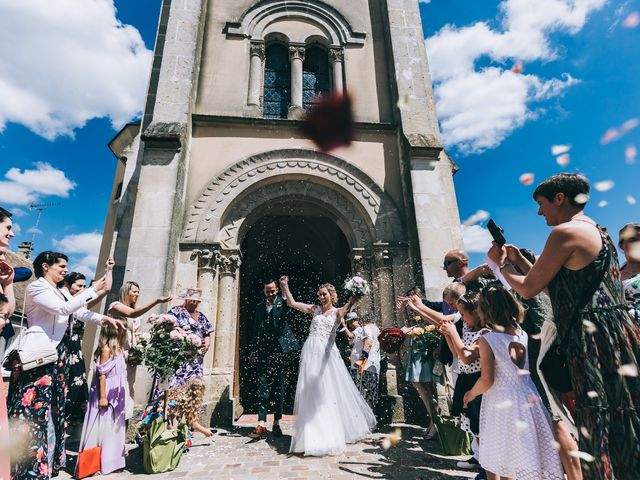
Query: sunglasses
x=449 y=262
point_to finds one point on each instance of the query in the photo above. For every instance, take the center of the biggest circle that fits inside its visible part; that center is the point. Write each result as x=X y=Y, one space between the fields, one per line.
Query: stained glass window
x=277 y=82
x=315 y=76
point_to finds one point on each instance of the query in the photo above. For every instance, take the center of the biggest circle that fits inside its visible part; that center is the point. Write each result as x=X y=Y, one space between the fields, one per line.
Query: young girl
x=104 y=422
x=365 y=357
x=189 y=398
x=517 y=437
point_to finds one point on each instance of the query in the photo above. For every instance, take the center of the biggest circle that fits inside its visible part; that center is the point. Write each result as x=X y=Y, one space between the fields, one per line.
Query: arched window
x=315 y=75
x=277 y=82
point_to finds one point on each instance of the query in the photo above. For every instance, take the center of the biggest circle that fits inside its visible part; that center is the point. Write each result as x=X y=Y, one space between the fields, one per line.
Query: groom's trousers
x=270 y=370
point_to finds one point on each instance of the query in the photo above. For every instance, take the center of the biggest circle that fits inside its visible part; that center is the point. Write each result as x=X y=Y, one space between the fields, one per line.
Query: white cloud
x=476 y=238
x=83 y=250
x=69 y=61
x=480 y=107
x=26 y=187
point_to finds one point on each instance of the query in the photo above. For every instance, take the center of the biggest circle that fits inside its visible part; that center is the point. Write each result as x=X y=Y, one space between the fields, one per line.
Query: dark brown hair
x=570 y=184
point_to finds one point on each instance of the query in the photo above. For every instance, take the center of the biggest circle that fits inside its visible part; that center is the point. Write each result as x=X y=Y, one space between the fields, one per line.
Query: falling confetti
x=517 y=68
x=563 y=160
x=632 y=20
x=522 y=372
x=609 y=136
x=592 y=394
x=533 y=399
x=604 y=186
x=629 y=125
x=403 y=102
x=582 y=455
x=589 y=326
x=581 y=198
x=630 y=154
x=631 y=200
x=391 y=440
x=555 y=445
x=498 y=328
x=585 y=433
x=628 y=370
x=521 y=426
x=559 y=149
x=330 y=123
x=527 y=179
x=479 y=216
x=603 y=203
x=536 y=336
x=504 y=405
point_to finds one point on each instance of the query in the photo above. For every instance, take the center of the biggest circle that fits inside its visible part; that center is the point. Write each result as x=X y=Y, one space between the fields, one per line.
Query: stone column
x=207 y=281
x=296 y=56
x=228 y=265
x=336 y=57
x=257 y=56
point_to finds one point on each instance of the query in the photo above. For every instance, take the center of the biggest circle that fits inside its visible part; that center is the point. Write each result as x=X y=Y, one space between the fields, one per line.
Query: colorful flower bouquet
x=424 y=340
x=356 y=287
x=169 y=346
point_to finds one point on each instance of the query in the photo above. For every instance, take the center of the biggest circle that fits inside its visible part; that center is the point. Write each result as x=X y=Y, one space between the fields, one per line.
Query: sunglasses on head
x=449 y=262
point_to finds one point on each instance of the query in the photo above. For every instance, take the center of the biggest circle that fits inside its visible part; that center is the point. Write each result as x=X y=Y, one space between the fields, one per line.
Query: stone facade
x=206 y=174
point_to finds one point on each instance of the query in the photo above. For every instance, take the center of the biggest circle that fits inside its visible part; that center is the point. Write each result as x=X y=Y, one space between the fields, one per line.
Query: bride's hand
x=284 y=282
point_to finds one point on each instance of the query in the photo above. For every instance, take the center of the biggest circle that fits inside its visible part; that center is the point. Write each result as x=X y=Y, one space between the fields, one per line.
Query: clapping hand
x=6 y=273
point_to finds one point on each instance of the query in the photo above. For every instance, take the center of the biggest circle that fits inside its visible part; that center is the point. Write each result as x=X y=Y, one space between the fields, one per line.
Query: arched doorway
x=308 y=247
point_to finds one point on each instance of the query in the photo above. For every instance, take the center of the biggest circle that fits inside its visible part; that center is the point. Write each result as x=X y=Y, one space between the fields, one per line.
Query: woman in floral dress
x=601 y=342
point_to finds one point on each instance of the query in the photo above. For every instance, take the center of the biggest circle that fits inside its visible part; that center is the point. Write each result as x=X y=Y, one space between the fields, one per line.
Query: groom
x=271 y=341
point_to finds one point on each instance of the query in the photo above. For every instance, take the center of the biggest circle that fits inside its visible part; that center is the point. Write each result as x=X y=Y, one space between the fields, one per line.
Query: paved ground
x=232 y=455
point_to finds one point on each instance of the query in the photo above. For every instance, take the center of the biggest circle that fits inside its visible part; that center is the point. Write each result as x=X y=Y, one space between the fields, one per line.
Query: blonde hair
x=454 y=290
x=112 y=338
x=125 y=290
x=189 y=399
x=332 y=292
x=498 y=307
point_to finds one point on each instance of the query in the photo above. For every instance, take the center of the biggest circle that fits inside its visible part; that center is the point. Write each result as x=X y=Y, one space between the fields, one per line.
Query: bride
x=330 y=412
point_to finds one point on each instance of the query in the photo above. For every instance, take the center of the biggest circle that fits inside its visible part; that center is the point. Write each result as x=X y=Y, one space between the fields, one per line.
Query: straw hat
x=194 y=294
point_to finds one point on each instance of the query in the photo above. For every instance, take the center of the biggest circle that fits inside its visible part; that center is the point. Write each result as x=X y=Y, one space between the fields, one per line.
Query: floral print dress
x=77 y=383
x=36 y=407
x=603 y=345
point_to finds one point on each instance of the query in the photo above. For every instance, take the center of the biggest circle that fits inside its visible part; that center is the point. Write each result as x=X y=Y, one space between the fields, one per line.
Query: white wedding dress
x=330 y=412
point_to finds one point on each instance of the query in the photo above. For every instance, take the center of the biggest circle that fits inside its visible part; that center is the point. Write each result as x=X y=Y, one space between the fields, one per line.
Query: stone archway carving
x=343 y=182
x=254 y=21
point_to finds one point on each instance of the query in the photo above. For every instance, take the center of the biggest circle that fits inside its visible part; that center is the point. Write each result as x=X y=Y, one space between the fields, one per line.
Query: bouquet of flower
x=424 y=340
x=356 y=287
x=169 y=347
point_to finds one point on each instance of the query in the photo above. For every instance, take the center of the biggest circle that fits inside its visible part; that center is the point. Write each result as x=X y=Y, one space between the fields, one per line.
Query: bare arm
x=466 y=354
x=301 y=307
x=121 y=309
x=476 y=273
x=102 y=379
x=437 y=318
x=487 y=366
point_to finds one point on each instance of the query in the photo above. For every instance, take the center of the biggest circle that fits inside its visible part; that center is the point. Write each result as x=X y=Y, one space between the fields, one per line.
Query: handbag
x=90 y=460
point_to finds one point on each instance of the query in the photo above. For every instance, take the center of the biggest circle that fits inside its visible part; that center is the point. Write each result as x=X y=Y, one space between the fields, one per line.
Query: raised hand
x=6 y=273
x=164 y=299
x=100 y=284
x=110 y=264
x=513 y=254
x=284 y=282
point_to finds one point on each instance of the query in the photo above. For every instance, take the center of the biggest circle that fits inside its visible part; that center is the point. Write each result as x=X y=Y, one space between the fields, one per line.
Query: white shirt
x=48 y=310
x=371 y=332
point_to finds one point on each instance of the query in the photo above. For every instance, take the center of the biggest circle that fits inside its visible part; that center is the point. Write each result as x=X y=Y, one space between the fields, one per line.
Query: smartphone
x=496 y=232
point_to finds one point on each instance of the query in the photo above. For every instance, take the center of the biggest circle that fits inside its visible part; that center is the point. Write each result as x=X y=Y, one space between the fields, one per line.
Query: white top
x=48 y=310
x=371 y=332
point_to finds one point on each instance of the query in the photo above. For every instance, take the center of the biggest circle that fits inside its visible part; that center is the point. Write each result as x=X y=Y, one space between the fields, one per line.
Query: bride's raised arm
x=346 y=308
x=301 y=307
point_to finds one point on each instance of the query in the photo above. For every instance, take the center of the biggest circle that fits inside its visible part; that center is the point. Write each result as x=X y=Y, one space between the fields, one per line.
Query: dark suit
x=271 y=340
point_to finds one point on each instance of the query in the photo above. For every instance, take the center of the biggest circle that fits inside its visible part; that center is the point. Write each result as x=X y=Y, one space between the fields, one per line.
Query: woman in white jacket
x=37 y=397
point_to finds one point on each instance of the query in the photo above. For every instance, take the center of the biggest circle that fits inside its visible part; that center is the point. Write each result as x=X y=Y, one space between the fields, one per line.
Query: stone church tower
x=216 y=187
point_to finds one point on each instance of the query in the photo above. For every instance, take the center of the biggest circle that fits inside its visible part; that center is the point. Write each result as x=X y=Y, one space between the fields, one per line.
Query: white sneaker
x=470 y=464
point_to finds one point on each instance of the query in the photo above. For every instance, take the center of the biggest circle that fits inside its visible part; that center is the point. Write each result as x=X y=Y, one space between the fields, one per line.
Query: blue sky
x=82 y=70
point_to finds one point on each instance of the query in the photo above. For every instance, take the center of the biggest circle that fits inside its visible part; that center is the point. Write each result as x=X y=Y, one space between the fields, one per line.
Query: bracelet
x=364 y=355
x=504 y=265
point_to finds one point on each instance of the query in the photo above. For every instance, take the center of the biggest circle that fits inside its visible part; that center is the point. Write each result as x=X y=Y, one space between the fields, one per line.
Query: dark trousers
x=270 y=373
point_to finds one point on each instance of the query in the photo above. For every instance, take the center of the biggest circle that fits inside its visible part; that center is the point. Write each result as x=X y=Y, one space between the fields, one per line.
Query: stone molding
x=256 y=19
x=296 y=53
x=211 y=218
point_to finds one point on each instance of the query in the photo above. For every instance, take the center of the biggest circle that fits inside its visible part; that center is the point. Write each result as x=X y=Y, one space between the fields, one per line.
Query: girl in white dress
x=330 y=412
x=517 y=436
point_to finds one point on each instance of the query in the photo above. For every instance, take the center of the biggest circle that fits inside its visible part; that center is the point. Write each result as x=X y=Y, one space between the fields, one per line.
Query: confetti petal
x=589 y=327
x=632 y=20
x=581 y=198
x=330 y=123
x=603 y=203
x=592 y=394
x=523 y=373
x=527 y=179
x=628 y=370
x=498 y=328
x=403 y=102
x=559 y=149
x=517 y=68
x=479 y=216
x=609 y=136
x=504 y=405
x=555 y=445
x=585 y=433
x=563 y=160
x=631 y=200
x=630 y=154
x=629 y=125
x=521 y=426
x=533 y=399
x=604 y=186
x=582 y=455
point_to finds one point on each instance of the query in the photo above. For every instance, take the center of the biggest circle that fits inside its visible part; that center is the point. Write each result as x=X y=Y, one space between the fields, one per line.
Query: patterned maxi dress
x=601 y=339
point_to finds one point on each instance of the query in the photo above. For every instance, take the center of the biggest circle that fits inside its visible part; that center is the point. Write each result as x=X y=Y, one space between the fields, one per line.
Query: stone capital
x=207 y=257
x=360 y=261
x=382 y=255
x=257 y=50
x=296 y=53
x=336 y=55
x=228 y=263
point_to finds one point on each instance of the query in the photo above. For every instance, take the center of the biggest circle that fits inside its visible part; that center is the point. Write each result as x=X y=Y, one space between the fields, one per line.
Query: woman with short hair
x=629 y=243
x=37 y=397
